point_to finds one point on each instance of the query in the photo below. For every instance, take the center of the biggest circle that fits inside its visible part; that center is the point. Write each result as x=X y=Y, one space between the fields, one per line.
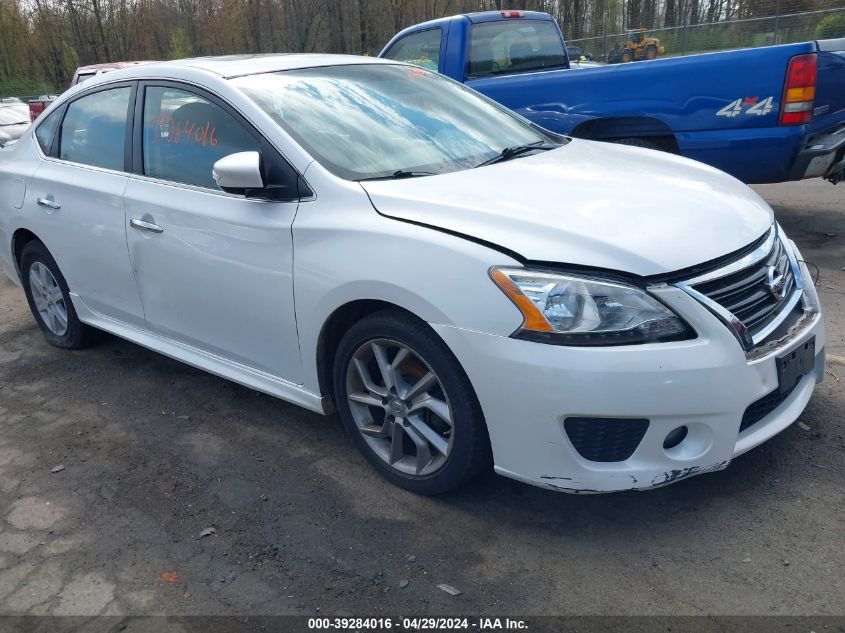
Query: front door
x=214 y=269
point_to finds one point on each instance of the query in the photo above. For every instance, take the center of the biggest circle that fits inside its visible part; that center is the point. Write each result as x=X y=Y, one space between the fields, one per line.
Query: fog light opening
x=675 y=437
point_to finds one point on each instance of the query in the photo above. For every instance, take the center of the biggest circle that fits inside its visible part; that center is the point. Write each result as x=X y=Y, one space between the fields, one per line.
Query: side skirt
x=224 y=368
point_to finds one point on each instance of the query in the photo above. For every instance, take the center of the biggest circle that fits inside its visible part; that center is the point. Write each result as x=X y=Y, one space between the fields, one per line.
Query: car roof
x=477 y=17
x=225 y=67
x=229 y=66
x=114 y=65
x=505 y=15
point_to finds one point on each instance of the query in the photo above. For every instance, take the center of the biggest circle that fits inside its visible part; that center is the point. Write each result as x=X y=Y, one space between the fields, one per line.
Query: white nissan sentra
x=466 y=289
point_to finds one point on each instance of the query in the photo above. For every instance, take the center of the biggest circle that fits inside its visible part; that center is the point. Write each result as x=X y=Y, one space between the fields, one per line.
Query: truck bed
x=722 y=108
x=693 y=97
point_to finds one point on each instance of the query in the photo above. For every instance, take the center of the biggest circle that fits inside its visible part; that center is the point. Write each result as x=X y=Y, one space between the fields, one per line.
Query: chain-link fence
x=712 y=36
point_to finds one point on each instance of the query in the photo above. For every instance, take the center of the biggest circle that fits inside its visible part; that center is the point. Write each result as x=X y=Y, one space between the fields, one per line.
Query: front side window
x=512 y=46
x=94 y=129
x=185 y=134
x=373 y=120
x=422 y=49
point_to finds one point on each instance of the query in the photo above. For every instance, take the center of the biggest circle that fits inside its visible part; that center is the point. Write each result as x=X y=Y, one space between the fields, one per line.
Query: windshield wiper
x=518 y=150
x=402 y=173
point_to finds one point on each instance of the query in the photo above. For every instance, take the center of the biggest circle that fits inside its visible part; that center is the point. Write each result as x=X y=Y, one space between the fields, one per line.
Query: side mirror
x=239 y=173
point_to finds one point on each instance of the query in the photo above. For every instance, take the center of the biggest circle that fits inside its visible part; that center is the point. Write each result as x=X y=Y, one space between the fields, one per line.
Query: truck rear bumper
x=823 y=155
x=753 y=155
x=770 y=154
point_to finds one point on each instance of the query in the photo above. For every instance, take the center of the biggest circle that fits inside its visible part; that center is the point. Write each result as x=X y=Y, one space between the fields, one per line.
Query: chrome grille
x=748 y=295
x=753 y=294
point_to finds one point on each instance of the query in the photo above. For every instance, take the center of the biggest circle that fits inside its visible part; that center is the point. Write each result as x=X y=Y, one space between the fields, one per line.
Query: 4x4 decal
x=754 y=104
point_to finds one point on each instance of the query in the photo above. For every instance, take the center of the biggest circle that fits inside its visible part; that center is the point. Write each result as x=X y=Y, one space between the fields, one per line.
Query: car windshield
x=14 y=114
x=379 y=121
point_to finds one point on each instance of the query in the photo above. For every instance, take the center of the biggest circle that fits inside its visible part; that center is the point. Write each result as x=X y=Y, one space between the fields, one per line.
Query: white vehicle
x=465 y=288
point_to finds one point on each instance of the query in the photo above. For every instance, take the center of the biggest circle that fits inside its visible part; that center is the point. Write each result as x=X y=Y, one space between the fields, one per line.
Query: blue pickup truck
x=763 y=115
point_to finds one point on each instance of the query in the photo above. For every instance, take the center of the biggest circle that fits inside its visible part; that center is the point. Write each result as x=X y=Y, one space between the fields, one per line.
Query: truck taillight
x=511 y=14
x=799 y=91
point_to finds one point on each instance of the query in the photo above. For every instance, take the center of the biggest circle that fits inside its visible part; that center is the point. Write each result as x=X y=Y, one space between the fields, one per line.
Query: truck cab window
x=422 y=49
x=514 y=46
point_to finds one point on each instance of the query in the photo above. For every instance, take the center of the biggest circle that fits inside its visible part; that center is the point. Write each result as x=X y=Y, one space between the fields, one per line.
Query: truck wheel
x=408 y=405
x=651 y=52
x=626 y=57
x=640 y=142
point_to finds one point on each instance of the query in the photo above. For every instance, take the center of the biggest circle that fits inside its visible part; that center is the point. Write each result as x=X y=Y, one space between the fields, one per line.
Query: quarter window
x=46 y=130
x=185 y=134
x=94 y=129
x=422 y=49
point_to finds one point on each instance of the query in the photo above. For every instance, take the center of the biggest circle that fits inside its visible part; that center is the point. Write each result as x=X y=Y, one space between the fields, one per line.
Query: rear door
x=214 y=269
x=75 y=201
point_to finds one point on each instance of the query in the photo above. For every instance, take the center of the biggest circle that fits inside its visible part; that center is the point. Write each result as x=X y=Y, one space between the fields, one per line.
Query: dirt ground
x=155 y=452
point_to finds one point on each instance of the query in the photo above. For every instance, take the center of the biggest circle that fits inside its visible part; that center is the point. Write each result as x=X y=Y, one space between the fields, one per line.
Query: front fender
x=347 y=252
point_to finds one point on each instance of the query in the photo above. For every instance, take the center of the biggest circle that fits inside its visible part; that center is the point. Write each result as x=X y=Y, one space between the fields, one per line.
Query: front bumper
x=527 y=390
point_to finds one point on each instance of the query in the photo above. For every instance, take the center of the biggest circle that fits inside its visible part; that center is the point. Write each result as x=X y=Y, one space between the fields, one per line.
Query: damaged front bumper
x=528 y=391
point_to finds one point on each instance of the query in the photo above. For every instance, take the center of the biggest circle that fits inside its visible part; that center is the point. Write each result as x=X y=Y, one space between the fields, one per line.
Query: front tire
x=408 y=405
x=49 y=299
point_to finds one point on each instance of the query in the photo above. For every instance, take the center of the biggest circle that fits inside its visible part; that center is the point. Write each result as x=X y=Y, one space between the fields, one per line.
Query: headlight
x=574 y=310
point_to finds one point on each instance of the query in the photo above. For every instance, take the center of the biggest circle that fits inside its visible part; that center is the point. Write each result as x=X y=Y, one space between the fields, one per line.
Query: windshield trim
x=375 y=61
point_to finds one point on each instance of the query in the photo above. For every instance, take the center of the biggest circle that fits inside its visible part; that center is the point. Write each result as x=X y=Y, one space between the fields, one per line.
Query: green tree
x=831 y=27
x=180 y=45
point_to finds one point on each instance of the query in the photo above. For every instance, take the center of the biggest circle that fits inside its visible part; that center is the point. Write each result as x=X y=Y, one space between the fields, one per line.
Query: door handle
x=49 y=203
x=145 y=226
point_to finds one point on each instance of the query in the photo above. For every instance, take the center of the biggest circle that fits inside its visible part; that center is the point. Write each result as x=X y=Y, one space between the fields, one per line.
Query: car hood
x=12 y=132
x=588 y=203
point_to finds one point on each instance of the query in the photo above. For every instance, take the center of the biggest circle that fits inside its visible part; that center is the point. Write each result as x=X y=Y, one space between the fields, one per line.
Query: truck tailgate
x=829 y=107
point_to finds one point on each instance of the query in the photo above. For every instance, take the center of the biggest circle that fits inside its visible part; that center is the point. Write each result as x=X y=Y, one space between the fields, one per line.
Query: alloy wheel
x=400 y=407
x=48 y=298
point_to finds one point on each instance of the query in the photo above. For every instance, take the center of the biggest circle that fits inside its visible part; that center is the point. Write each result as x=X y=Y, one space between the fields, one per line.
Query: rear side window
x=184 y=135
x=422 y=49
x=94 y=129
x=46 y=130
x=513 y=46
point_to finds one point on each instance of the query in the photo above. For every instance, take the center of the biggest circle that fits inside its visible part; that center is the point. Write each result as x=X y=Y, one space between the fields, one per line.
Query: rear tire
x=49 y=299
x=410 y=444
x=651 y=52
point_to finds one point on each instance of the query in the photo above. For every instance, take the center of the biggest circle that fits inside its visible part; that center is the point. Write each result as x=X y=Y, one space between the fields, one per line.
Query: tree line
x=43 y=41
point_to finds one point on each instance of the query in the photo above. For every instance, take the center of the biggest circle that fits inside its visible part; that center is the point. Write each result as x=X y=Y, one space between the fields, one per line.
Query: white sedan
x=465 y=288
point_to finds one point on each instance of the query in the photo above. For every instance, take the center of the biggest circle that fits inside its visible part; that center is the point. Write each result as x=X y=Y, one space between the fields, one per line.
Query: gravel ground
x=154 y=453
